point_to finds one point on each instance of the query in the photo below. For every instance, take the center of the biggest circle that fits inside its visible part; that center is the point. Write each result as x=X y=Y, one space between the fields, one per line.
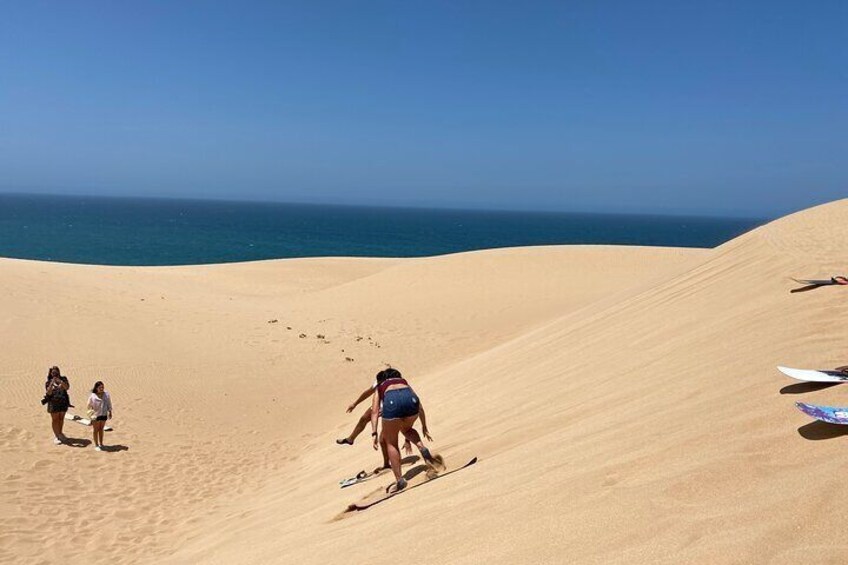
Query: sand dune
x=213 y=401
x=623 y=402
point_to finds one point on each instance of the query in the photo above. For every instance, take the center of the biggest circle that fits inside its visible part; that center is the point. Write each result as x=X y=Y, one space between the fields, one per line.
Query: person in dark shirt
x=58 y=401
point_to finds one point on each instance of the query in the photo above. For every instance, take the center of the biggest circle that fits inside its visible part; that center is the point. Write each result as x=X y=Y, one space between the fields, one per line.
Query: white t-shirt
x=101 y=406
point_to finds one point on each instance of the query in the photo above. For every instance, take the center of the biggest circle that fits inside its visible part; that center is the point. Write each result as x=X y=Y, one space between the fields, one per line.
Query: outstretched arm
x=365 y=394
x=423 y=417
x=375 y=415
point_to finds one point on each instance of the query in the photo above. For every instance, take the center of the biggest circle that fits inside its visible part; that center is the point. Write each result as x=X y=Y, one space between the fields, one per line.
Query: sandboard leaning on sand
x=363 y=475
x=818 y=282
x=814 y=376
x=360 y=477
x=829 y=414
x=382 y=496
x=84 y=421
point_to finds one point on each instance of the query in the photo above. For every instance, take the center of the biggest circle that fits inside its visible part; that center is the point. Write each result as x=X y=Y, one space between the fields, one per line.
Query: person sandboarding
x=411 y=437
x=401 y=408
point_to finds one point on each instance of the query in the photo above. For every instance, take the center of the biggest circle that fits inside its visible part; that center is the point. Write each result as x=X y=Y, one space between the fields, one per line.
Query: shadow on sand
x=801 y=388
x=76 y=442
x=822 y=430
x=807 y=288
x=414 y=472
x=113 y=448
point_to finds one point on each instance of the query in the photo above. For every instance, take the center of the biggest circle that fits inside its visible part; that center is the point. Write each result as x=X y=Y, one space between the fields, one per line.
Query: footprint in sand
x=611 y=480
x=42 y=464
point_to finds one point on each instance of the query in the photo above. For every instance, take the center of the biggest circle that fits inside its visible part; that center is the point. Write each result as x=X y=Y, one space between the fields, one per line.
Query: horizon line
x=383 y=206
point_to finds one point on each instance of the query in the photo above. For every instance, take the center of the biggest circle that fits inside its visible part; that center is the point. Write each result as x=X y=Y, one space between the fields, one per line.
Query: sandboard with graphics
x=381 y=496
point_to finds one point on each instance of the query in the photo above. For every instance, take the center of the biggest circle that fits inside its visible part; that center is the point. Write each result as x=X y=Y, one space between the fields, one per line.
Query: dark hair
x=386 y=374
x=50 y=372
x=97 y=384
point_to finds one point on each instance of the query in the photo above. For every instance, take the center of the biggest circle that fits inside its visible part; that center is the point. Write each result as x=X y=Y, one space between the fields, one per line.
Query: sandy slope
x=649 y=427
x=623 y=402
x=221 y=411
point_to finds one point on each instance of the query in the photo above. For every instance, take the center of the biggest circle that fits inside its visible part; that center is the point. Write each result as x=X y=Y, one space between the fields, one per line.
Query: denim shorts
x=399 y=403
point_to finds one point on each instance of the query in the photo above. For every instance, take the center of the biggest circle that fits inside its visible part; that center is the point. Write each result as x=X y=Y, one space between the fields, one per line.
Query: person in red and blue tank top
x=401 y=408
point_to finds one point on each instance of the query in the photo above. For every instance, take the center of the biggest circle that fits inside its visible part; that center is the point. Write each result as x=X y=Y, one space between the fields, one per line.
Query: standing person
x=401 y=408
x=100 y=403
x=57 y=400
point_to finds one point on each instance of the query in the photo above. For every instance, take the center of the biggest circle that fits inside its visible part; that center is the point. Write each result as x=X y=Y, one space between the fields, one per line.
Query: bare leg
x=390 y=436
x=56 y=419
x=61 y=424
x=100 y=426
x=385 y=451
x=412 y=435
x=435 y=460
x=364 y=420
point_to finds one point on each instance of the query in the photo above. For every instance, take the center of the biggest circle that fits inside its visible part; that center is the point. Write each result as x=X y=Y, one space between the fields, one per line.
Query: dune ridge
x=623 y=402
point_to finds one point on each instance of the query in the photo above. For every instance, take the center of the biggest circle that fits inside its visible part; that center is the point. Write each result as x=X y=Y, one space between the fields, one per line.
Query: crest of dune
x=623 y=403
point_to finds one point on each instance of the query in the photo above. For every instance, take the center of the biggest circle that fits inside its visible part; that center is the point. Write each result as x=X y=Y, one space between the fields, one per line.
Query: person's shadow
x=113 y=448
x=76 y=442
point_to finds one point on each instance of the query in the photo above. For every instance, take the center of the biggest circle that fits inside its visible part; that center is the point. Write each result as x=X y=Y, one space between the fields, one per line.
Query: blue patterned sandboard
x=829 y=414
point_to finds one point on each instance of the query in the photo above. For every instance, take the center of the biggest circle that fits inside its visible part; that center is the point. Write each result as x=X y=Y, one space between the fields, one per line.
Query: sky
x=708 y=108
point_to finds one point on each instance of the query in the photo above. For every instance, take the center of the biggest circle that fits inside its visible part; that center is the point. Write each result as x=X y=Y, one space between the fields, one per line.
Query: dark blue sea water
x=123 y=231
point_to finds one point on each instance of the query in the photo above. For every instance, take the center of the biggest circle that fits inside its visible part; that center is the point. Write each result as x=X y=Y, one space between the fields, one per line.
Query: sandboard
x=820 y=282
x=360 y=477
x=363 y=475
x=815 y=282
x=84 y=421
x=814 y=376
x=829 y=414
x=369 y=502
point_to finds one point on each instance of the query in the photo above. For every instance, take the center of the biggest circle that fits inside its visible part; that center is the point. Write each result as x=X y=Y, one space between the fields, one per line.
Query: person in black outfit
x=57 y=400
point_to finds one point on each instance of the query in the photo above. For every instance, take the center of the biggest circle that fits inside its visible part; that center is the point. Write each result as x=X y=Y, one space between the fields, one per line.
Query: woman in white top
x=100 y=407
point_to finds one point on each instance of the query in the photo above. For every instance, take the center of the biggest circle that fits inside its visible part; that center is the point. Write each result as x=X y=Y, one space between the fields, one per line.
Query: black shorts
x=100 y=419
x=54 y=406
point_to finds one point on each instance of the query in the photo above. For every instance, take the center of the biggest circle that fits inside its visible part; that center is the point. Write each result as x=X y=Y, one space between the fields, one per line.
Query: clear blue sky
x=672 y=107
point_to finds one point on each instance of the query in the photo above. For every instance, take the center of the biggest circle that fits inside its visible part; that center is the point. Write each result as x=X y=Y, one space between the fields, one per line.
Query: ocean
x=146 y=231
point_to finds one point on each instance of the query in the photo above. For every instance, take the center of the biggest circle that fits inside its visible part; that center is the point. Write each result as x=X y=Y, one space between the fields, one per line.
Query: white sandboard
x=84 y=421
x=813 y=376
